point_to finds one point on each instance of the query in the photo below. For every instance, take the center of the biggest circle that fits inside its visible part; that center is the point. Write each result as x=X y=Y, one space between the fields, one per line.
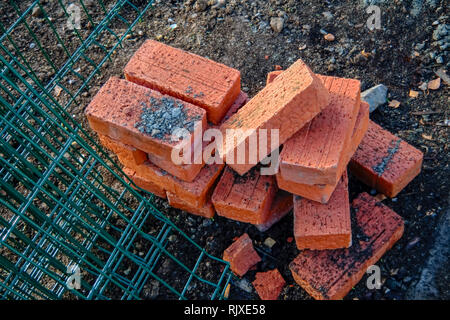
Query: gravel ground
x=258 y=36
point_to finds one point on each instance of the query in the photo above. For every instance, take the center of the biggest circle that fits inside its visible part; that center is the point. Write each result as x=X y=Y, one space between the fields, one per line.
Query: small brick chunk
x=316 y=153
x=287 y=105
x=272 y=75
x=189 y=77
x=145 y=184
x=241 y=255
x=269 y=284
x=246 y=198
x=322 y=192
x=128 y=155
x=116 y=112
x=331 y=274
x=281 y=206
x=207 y=210
x=324 y=226
x=385 y=162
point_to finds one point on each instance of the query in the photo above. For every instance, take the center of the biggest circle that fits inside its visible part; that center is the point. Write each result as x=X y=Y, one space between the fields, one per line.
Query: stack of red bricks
x=322 y=128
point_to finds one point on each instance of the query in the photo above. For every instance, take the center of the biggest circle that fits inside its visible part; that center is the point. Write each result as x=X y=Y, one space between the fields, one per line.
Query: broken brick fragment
x=241 y=255
x=269 y=284
x=322 y=192
x=316 y=153
x=385 y=162
x=281 y=206
x=324 y=226
x=286 y=106
x=127 y=154
x=189 y=77
x=246 y=198
x=116 y=112
x=331 y=274
x=145 y=184
x=207 y=210
x=272 y=75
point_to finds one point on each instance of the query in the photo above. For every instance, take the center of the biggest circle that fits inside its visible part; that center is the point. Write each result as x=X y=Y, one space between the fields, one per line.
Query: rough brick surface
x=315 y=154
x=203 y=82
x=145 y=184
x=324 y=226
x=281 y=206
x=287 y=105
x=385 y=162
x=195 y=193
x=269 y=284
x=245 y=198
x=241 y=255
x=331 y=274
x=322 y=193
x=127 y=155
x=207 y=210
x=118 y=106
x=240 y=101
x=185 y=172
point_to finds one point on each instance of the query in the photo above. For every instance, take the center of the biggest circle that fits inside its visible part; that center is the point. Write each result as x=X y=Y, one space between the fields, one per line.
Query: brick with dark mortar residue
x=324 y=226
x=269 y=284
x=281 y=206
x=331 y=274
x=385 y=162
x=246 y=198
x=116 y=112
x=322 y=193
x=241 y=255
x=203 y=82
x=296 y=98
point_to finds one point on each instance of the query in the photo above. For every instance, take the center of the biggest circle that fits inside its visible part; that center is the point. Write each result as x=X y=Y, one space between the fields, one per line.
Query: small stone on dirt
x=277 y=24
x=329 y=37
x=375 y=96
x=269 y=242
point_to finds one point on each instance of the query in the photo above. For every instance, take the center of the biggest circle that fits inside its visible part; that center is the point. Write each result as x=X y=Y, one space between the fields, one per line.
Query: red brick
x=197 y=80
x=331 y=274
x=245 y=198
x=281 y=206
x=241 y=100
x=127 y=155
x=195 y=193
x=322 y=193
x=269 y=284
x=207 y=210
x=324 y=226
x=145 y=184
x=241 y=255
x=316 y=153
x=287 y=105
x=185 y=172
x=117 y=107
x=385 y=162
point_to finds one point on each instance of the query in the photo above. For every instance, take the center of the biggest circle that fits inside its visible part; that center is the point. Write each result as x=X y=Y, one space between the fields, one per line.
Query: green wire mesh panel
x=71 y=226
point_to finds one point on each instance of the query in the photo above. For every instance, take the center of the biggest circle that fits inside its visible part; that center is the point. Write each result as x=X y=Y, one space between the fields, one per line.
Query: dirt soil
x=401 y=55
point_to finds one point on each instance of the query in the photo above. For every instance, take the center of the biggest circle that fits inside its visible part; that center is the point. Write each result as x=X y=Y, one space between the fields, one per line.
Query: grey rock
x=277 y=24
x=434 y=279
x=244 y=285
x=37 y=12
x=440 y=60
x=375 y=96
x=328 y=15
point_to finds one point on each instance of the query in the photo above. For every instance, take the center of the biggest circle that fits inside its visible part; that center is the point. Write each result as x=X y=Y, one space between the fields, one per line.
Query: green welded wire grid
x=56 y=209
